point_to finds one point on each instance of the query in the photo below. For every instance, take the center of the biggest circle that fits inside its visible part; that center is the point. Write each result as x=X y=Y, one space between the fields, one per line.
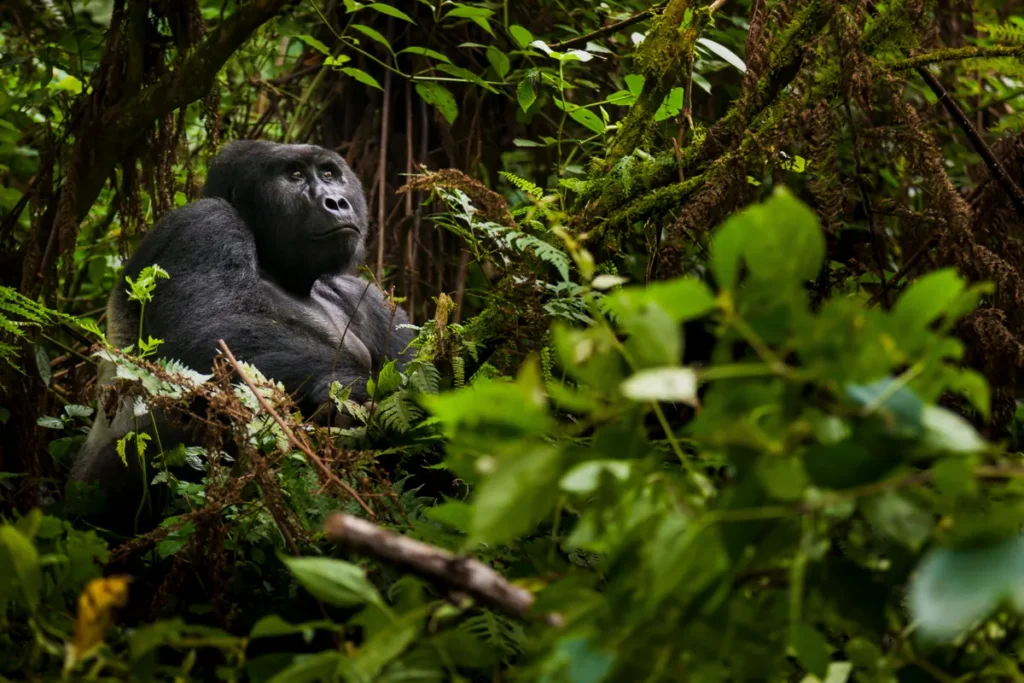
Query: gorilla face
x=304 y=206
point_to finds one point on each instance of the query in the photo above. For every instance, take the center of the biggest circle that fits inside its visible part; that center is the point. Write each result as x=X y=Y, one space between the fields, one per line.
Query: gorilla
x=266 y=262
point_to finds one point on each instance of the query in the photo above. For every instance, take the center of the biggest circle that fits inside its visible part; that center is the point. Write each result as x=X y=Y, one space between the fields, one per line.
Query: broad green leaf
x=526 y=95
x=478 y=15
x=373 y=34
x=901 y=407
x=390 y=11
x=323 y=666
x=780 y=240
x=315 y=44
x=333 y=581
x=670 y=106
x=361 y=76
x=517 y=492
x=662 y=384
x=440 y=97
x=384 y=647
x=499 y=61
x=684 y=298
x=634 y=83
x=927 y=299
x=586 y=476
x=43 y=364
x=955 y=587
x=655 y=339
x=426 y=52
x=588 y=119
x=623 y=98
x=725 y=53
x=947 y=431
x=20 y=565
x=811 y=650
x=521 y=35
x=899 y=519
x=607 y=281
x=783 y=477
x=272 y=626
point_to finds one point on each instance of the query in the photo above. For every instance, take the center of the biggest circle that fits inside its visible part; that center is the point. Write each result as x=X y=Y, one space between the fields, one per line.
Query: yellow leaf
x=96 y=605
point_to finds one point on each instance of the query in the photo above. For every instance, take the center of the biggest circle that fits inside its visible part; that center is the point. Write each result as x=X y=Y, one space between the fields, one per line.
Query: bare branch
x=460 y=574
x=290 y=435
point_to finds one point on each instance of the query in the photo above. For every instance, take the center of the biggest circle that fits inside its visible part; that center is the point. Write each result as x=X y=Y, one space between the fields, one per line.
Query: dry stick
x=314 y=458
x=457 y=573
x=1002 y=177
x=611 y=28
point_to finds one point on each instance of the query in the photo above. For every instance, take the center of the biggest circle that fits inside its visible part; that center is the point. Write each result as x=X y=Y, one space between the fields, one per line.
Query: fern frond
x=398 y=412
x=522 y=184
x=1005 y=33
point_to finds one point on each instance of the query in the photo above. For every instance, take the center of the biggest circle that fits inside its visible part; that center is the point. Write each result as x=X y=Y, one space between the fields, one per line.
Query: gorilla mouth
x=336 y=230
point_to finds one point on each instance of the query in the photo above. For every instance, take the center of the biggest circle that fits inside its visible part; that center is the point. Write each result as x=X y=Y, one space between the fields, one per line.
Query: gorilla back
x=265 y=261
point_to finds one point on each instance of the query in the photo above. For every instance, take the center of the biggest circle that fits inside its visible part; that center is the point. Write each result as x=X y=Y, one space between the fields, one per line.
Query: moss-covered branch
x=957 y=54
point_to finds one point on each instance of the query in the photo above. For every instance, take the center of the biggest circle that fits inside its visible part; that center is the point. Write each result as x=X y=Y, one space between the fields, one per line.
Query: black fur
x=264 y=261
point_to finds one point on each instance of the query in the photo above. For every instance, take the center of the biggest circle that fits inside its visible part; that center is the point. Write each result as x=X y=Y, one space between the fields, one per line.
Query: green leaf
x=521 y=35
x=43 y=364
x=426 y=52
x=947 y=431
x=684 y=298
x=440 y=97
x=478 y=15
x=517 y=492
x=333 y=581
x=783 y=477
x=927 y=299
x=385 y=646
x=811 y=650
x=50 y=422
x=272 y=626
x=20 y=565
x=727 y=55
x=955 y=587
x=586 y=476
x=526 y=95
x=662 y=384
x=373 y=34
x=670 y=106
x=315 y=44
x=899 y=519
x=634 y=83
x=780 y=240
x=322 y=666
x=623 y=98
x=499 y=61
x=390 y=11
x=588 y=119
x=361 y=76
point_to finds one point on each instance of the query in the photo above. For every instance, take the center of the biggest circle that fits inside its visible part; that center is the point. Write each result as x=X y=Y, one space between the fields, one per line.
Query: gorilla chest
x=321 y=318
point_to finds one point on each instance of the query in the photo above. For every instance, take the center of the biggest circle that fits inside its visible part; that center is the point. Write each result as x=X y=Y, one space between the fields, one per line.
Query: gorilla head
x=303 y=204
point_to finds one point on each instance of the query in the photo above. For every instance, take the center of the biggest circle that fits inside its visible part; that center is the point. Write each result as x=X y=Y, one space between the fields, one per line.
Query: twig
x=382 y=169
x=461 y=574
x=315 y=459
x=610 y=28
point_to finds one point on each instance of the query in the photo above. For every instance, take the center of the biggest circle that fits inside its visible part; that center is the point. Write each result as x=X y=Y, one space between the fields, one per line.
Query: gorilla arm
x=215 y=291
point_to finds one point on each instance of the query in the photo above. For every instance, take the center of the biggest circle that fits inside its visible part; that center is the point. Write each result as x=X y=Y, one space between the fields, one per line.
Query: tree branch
x=609 y=29
x=463 y=574
x=956 y=54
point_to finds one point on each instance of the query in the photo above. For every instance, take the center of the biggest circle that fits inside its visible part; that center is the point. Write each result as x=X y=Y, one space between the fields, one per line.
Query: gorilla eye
x=298 y=175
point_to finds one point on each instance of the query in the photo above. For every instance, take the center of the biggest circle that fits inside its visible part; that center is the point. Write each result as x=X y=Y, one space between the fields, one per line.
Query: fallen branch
x=458 y=574
x=290 y=435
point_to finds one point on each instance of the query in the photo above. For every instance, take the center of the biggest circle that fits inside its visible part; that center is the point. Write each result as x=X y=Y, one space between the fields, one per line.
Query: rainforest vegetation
x=719 y=325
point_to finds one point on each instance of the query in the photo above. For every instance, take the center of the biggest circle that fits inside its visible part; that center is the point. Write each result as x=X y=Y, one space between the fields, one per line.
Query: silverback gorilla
x=264 y=261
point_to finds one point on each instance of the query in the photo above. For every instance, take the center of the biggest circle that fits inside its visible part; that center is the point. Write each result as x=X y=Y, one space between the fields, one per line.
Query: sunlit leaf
x=439 y=96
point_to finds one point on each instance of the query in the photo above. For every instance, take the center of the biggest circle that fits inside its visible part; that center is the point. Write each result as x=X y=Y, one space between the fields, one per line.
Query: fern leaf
x=522 y=184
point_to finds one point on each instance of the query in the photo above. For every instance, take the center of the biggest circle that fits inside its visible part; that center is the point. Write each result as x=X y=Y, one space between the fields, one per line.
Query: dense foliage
x=720 y=313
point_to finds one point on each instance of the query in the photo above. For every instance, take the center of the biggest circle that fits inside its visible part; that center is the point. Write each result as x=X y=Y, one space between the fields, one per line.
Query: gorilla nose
x=338 y=206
